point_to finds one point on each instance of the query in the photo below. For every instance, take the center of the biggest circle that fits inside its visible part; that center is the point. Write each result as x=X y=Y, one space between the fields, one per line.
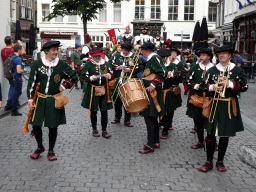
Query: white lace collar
x=101 y=62
x=221 y=68
x=208 y=66
x=53 y=63
x=129 y=55
x=151 y=55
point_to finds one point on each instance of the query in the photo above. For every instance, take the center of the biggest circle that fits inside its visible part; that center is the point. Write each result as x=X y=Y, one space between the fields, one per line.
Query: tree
x=87 y=9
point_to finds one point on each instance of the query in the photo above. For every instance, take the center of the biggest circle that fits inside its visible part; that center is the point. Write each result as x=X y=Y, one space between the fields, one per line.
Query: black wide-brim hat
x=203 y=50
x=175 y=49
x=148 y=46
x=50 y=44
x=225 y=48
x=164 y=52
x=127 y=46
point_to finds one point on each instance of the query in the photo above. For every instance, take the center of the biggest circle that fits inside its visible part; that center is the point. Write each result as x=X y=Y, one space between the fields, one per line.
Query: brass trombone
x=221 y=95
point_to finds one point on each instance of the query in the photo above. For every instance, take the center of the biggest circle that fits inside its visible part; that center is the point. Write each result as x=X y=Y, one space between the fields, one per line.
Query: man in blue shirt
x=17 y=79
x=238 y=60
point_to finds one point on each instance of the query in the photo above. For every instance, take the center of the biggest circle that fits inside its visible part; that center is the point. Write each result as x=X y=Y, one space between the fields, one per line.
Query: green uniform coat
x=90 y=69
x=195 y=77
x=117 y=60
x=172 y=102
x=50 y=80
x=155 y=65
x=222 y=125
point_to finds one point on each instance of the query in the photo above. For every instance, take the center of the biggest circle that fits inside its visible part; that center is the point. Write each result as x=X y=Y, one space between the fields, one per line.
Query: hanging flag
x=240 y=4
x=250 y=2
x=112 y=36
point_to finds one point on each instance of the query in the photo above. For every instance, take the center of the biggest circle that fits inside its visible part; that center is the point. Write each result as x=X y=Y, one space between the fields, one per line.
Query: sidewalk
x=93 y=164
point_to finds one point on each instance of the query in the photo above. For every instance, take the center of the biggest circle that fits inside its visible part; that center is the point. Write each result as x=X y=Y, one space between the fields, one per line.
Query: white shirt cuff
x=196 y=87
x=153 y=85
x=231 y=85
x=91 y=78
x=109 y=76
x=30 y=100
x=63 y=87
x=172 y=75
x=211 y=88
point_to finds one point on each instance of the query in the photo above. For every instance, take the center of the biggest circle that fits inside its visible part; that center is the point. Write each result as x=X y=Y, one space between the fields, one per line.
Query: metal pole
x=181 y=39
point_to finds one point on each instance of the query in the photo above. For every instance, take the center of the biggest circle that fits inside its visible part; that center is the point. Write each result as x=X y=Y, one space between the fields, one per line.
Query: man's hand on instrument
x=61 y=89
x=30 y=106
x=151 y=89
x=107 y=76
x=119 y=67
x=222 y=82
x=170 y=74
x=218 y=87
x=127 y=70
x=94 y=77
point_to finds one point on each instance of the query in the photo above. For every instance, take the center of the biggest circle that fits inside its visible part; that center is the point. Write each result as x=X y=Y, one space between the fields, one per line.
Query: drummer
x=153 y=76
x=122 y=65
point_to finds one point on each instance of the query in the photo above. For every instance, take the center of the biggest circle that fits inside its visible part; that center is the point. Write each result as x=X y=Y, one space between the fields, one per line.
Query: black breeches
x=53 y=132
x=104 y=120
x=118 y=110
x=153 y=130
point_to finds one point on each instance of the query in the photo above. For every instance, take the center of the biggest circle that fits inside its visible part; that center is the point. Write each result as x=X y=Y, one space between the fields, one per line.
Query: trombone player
x=225 y=80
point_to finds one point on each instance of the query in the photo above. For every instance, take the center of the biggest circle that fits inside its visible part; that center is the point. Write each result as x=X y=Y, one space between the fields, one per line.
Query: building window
x=173 y=10
x=45 y=11
x=72 y=19
x=103 y=13
x=59 y=19
x=139 y=9
x=189 y=10
x=212 y=14
x=155 y=10
x=23 y=9
x=29 y=10
x=117 y=13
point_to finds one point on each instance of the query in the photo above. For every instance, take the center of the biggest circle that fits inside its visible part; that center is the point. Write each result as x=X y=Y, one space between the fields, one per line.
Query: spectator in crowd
x=0 y=96
x=35 y=51
x=17 y=79
x=107 y=50
x=76 y=64
x=238 y=60
x=5 y=53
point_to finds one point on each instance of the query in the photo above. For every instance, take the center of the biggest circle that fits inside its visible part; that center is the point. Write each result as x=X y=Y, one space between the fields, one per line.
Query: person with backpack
x=13 y=71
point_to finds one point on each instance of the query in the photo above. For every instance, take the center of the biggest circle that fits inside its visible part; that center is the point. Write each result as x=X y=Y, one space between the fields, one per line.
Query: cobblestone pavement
x=93 y=164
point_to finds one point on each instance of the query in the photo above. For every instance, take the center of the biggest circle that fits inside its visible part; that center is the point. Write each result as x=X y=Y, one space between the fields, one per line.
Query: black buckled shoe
x=37 y=153
x=220 y=166
x=116 y=121
x=128 y=124
x=146 y=149
x=206 y=167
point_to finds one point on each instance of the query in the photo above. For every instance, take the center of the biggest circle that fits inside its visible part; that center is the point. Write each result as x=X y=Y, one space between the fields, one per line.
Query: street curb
x=247 y=155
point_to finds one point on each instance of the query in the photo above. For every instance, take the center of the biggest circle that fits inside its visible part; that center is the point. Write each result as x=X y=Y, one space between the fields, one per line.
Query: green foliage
x=87 y=9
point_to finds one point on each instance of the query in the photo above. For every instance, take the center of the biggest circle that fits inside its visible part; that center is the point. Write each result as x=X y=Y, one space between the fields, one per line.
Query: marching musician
x=97 y=72
x=144 y=37
x=127 y=36
x=195 y=76
x=122 y=64
x=225 y=80
x=153 y=76
x=175 y=75
x=48 y=71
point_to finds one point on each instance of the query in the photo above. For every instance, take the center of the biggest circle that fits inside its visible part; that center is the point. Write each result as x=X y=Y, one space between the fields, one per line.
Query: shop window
x=139 y=9
x=173 y=9
x=72 y=18
x=59 y=19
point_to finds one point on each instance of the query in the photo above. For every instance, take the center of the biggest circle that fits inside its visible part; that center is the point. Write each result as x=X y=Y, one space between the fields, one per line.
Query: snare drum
x=133 y=95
